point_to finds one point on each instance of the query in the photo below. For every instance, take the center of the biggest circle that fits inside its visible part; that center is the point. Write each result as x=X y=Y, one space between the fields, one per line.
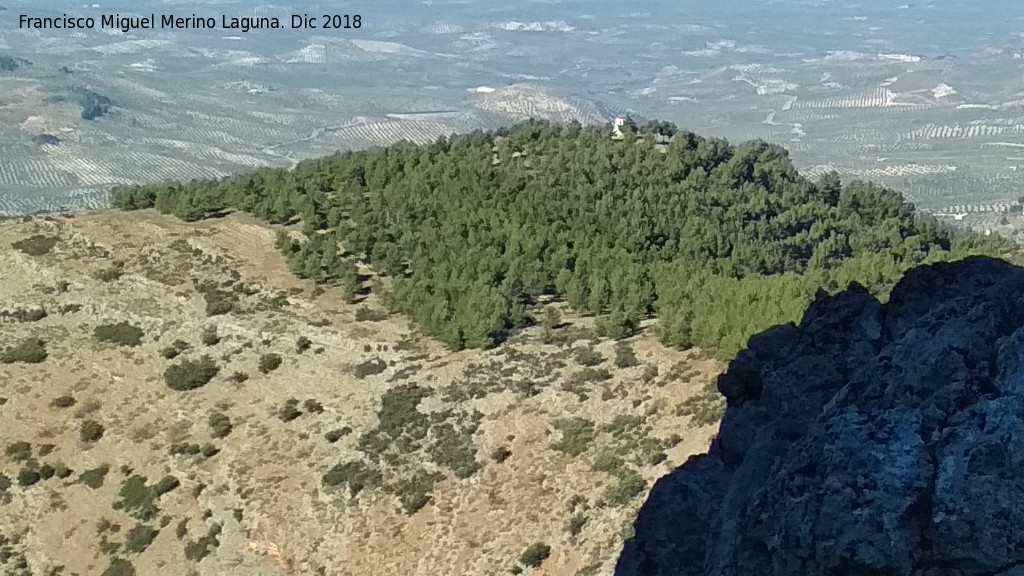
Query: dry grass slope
x=531 y=457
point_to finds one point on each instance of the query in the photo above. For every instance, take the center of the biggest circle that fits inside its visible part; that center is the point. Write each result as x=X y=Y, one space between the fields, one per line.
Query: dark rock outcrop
x=870 y=440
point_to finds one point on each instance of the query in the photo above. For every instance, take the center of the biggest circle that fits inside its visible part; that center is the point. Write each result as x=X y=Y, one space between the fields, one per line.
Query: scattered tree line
x=718 y=241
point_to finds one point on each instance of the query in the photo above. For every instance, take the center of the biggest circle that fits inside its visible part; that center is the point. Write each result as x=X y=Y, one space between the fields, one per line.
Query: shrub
x=551 y=319
x=63 y=402
x=109 y=274
x=370 y=368
x=589 y=357
x=37 y=245
x=122 y=334
x=630 y=485
x=175 y=349
x=302 y=344
x=289 y=411
x=29 y=351
x=589 y=375
x=220 y=425
x=186 y=448
x=535 y=555
x=355 y=474
x=19 y=451
x=219 y=302
x=119 y=567
x=414 y=493
x=94 y=478
x=28 y=476
x=371 y=315
x=25 y=314
x=139 y=500
x=139 y=538
x=624 y=356
x=650 y=373
x=202 y=547
x=269 y=362
x=577 y=435
x=238 y=377
x=191 y=374
x=209 y=336
x=453 y=449
x=90 y=431
x=500 y=454
x=313 y=407
x=335 y=435
x=575 y=524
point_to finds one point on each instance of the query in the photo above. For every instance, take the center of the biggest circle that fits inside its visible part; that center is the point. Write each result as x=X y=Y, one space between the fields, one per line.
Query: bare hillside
x=174 y=401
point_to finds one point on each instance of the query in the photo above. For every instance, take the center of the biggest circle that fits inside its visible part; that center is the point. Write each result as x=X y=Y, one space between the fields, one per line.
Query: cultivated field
x=927 y=99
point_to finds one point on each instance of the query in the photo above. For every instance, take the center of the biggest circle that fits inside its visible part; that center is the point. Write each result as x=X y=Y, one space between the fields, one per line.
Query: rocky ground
x=873 y=439
x=174 y=401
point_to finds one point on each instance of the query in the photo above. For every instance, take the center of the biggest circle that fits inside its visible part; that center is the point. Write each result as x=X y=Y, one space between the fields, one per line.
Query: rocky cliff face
x=871 y=439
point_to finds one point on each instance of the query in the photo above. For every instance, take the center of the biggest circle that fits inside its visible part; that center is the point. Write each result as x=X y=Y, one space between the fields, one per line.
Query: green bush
x=220 y=425
x=575 y=524
x=335 y=435
x=38 y=245
x=28 y=476
x=289 y=411
x=19 y=451
x=269 y=362
x=29 y=351
x=63 y=402
x=139 y=538
x=414 y=493
x=191 y=374
x=500 y=454
x=25 y=314
x=302 y=344
x=94 y=478
x=588 y=357
x=122 y=334
x=175 y=349
x=139 y=500
x=650 y=373
x=629 y=485
x=313 y=407
x=119 y=567
x=90 y=431
x=535 y=555
x=371 y=315
x=46 y=471
x=355 y=474
x=453 y=448
x=109 y=274
x=201 y=548
x=577 y=435
x=370 y=368
x=209 y=336
x=219 y=302
x=624 y=356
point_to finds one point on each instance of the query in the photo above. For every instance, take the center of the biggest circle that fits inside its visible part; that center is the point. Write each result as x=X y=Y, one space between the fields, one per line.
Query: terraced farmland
x=913 y=98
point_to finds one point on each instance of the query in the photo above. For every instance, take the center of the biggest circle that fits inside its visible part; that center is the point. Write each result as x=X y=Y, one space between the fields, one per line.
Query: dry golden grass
x=264 y=486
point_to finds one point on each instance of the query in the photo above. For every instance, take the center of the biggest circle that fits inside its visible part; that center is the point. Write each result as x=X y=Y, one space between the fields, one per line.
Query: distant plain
x=925 y=97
